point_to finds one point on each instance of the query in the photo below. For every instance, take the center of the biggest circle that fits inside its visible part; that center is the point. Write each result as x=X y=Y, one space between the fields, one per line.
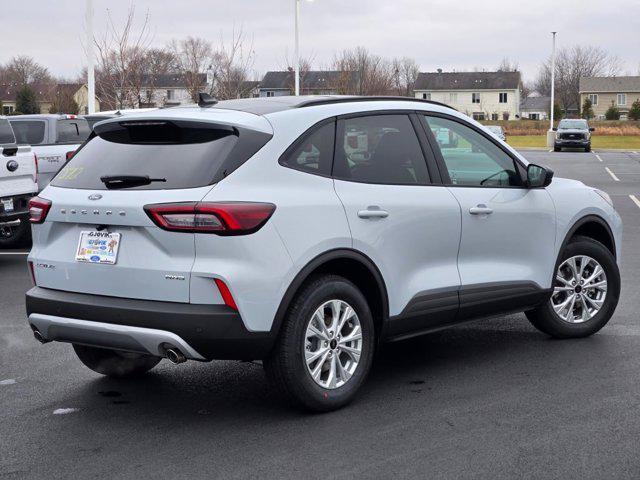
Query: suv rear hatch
x=97 y=237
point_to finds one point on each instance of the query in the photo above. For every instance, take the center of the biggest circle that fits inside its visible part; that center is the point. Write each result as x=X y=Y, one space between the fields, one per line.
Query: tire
x=115 y=363
x=587 y=149
x=12 y=237
x=557 y=149
x=545 y=318
x=287 y=367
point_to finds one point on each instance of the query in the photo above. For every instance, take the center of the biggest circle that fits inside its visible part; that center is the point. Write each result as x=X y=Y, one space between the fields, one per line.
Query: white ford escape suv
x=305 y=231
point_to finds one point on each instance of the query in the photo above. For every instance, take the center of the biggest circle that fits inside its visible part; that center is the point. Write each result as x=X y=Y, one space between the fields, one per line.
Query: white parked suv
x=305 y=231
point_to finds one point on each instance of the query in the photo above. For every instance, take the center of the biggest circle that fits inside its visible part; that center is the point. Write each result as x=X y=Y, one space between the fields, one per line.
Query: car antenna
x=206 y=100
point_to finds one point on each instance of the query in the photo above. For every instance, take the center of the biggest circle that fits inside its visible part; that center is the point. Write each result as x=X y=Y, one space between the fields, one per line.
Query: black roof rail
x=349 y=99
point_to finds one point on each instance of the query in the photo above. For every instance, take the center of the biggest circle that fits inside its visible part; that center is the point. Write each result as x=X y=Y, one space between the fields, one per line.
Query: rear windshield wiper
x=127 y=181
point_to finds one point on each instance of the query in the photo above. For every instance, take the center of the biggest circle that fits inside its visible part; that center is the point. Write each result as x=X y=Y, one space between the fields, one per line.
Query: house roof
x=536 y=104
x=313 y=79
x=169 y=80
x=467 y=81
x=44 y=92
x=610 y=84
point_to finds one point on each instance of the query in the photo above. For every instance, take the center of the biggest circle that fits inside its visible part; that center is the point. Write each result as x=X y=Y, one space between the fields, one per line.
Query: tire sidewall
x=322 y=398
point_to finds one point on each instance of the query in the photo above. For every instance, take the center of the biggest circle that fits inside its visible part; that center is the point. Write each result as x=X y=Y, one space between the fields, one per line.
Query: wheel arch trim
x=317 y=262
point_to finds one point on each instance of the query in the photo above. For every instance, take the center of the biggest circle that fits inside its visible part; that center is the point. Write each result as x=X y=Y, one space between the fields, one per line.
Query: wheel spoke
x=311 y=357
x=562 y=306
x=355 y=334
x=596 y=273
x=331 y=378
x=586 y=315
x=335 y=315
x=562 y=289
x=352 y=352
x=344 y=318
x=315 y=373
x=313 y=330
x=342 y=373
x=602 y=285
x=596 y=304
x=563 y=280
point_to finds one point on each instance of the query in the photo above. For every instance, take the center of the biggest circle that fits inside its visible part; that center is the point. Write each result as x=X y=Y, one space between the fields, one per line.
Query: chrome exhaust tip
x=39 y=337
x=175 y=356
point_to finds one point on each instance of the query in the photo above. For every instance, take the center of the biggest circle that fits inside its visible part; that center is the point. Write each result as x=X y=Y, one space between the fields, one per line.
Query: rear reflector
x=224 y=218
x=226 y=294
x=38 y=209
x=35 y=159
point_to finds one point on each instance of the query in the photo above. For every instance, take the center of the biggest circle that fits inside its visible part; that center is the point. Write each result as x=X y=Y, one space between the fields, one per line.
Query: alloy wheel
x=333 y=344
x=580 y=289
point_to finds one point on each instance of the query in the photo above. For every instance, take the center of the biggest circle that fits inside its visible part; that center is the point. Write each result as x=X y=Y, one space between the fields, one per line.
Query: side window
x=28 y=132
x=470 y=158
x=73 y=131
x=313 y=152
x=379 y=149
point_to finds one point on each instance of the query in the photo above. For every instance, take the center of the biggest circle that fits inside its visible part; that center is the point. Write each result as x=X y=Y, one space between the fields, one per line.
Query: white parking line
x=598 y=157
x=613 y=175
x=551 y=150
x=635 y=200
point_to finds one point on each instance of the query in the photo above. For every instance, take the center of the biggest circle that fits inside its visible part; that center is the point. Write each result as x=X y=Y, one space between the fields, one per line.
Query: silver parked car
x=305 y=231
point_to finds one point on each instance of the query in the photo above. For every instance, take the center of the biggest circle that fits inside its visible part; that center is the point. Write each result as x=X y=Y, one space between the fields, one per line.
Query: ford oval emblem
x=95 y=196
x=12 y=165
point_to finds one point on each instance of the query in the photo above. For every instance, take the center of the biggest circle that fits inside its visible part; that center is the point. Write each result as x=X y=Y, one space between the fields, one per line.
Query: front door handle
x=373 y=212
x=480 y=209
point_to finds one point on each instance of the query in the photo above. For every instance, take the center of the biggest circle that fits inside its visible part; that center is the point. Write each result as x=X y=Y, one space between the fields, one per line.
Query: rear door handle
x=373 y=212
x=480 y=209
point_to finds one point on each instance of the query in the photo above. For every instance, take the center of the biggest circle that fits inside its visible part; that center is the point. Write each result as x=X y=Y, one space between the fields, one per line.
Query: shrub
x=612 y=113
x=26 y=101
x=587 y=109
x=634 y=111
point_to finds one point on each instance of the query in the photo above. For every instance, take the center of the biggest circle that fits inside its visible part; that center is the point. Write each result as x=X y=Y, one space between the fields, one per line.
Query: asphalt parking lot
x=492 y=399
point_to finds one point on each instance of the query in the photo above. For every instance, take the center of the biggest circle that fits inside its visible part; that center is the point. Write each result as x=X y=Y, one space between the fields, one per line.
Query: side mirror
x=555 y=129
x=591 y=129
x=538 y=177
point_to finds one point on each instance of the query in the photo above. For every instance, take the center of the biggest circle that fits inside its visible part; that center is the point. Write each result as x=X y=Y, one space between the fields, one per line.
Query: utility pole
x=91 y=81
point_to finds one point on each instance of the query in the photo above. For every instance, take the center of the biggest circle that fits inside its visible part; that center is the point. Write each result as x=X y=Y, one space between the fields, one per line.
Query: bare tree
x=306 y=65
x=405 y=74
x=23 y=70
x=121 y=60
x=374 y=74
x=157 y=61
x=233 y=64
x=572 y=63
x=507 y=65
x=193 y=57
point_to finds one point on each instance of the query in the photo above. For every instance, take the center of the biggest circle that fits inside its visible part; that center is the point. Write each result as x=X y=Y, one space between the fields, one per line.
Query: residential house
x=535 y=108
x=606 y=91
x=327 y=82
x=481 y=95
x=46 y=95
x=162 y=90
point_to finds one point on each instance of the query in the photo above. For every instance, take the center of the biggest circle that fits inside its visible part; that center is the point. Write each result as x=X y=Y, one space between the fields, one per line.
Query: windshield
x=6 y=132
x=579 y=124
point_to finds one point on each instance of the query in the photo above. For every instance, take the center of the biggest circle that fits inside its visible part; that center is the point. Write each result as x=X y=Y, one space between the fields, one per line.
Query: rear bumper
x=202 y=332
x=20 y=208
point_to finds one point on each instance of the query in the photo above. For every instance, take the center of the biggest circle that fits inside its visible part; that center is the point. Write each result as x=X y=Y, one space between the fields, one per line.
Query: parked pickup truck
x=17 y=186
x=54 y=138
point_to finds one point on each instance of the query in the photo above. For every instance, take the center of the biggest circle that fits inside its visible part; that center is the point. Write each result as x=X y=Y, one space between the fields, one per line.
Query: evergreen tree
x=587 y=109
x=612 y=113
x=634 y=111
x=26 y=101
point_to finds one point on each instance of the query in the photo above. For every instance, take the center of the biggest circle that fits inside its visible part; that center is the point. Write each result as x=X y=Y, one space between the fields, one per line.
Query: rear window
x=28 y=132
x=74 y=130
x=6 y=132
x=183 y=154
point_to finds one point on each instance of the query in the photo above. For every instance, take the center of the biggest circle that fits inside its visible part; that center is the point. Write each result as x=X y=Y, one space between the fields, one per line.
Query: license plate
x=7 y=204
x=98 y=247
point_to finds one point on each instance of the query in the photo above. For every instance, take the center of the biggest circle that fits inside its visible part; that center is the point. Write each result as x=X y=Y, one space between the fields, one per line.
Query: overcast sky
x=446 y=34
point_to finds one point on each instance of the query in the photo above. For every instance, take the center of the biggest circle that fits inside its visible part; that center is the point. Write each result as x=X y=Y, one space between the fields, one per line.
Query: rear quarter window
x=74 y=130
x=28 y=132
x=183 y=154
x=6 y=132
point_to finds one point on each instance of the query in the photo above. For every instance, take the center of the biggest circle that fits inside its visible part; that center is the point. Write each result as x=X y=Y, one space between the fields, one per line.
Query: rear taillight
x=31 y=272
x=38 y=209
x=228 y=218
x=70 y=154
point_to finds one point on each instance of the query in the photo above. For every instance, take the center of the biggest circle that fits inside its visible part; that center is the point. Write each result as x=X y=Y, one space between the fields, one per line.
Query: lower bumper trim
x=118 y=337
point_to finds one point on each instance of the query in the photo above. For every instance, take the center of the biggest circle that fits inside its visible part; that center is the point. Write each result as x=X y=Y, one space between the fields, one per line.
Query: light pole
x=297 y=46
x=551 y=133
x=91 y=81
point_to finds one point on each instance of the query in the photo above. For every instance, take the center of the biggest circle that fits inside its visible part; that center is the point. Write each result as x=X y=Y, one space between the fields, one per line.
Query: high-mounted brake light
x=223 y=218
x=38 y=209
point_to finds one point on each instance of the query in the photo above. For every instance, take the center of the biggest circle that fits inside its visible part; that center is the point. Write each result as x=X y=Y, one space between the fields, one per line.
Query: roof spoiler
x=206 y=100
